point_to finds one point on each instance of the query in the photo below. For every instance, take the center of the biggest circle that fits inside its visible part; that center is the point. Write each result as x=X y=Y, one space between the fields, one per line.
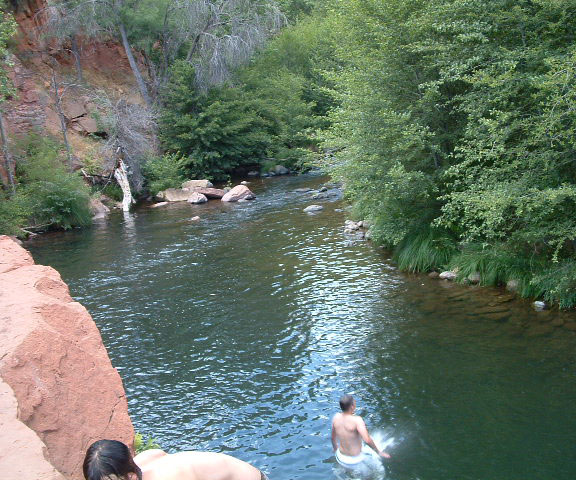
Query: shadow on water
x=239 y=332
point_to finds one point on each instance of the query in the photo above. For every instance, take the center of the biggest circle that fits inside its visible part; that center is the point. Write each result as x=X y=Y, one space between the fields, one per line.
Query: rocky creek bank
x=58 y=389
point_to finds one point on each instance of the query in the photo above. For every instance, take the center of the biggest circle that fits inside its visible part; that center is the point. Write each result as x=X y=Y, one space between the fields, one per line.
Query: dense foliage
x=47 y=195
x=459 y=125
x=268 y=112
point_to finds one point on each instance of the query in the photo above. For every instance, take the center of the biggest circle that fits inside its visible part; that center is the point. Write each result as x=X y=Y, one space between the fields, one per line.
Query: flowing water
x=238 y=334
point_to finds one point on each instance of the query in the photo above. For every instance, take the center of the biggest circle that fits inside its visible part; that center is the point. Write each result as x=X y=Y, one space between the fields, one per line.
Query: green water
x=238 y=334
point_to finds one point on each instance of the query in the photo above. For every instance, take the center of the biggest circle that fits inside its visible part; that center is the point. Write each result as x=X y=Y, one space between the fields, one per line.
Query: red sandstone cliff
x=58 y=390
x=105 y=68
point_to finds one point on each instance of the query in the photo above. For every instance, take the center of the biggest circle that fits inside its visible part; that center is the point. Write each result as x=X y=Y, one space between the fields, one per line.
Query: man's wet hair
x=346 y=402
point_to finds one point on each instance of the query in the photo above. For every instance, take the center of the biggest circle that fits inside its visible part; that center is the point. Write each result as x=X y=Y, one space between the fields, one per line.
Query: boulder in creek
x=448 y=275
x=174 y=195
x=512 y=285
x=433 y=275
x=323 y=189
x=211 y=192
x=193 y=184
x=58 y=390
x=195 y=218
x=474 y=278
x=302 y=190
x=313 y=208
x=244 y=182
x=253 y=173
x=539 y=305
x=239 y=192
x=197 y=198
x=159 y=204
x=98 y=209
x=279 y=170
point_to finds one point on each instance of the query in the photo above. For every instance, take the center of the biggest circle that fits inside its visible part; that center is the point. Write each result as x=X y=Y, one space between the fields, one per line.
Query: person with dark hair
x=111 y=460
x=348 y=432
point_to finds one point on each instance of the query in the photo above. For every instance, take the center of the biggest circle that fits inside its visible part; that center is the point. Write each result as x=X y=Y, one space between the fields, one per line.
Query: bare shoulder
x=336 y=418
x=148 y=456
x=359 y=420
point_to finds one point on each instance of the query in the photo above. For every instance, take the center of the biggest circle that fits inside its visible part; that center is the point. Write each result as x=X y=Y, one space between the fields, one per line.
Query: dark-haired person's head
x=109 y=459
x=347 y=402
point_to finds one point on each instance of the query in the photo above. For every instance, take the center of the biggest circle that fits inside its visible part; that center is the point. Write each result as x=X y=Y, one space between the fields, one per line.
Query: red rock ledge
x=58 y=390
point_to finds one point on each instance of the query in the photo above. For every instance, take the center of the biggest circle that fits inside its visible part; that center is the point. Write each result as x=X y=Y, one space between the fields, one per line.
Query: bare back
x=194 y=466
x=347 y=428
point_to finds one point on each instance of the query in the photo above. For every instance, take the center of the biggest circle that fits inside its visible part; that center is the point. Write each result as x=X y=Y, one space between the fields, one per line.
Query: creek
x=238 y=334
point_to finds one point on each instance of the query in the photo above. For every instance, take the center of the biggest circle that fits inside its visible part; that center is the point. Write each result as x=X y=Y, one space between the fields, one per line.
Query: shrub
x=164 y=172
x=48 y=195
x=557 y=284
x=142 y=444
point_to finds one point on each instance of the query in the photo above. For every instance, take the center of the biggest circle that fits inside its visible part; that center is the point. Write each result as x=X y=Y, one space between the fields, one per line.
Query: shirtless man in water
x=110 y=459
x=349 y=430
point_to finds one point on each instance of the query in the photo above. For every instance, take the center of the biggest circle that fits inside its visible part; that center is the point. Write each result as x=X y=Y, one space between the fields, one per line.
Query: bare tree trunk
x=62 y=119
x=7 y=155
x=76 y=53
x=121 y=177
x=134 y=66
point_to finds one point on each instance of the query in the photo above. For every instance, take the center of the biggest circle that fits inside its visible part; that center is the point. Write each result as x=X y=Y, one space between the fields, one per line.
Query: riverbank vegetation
x=457 y=127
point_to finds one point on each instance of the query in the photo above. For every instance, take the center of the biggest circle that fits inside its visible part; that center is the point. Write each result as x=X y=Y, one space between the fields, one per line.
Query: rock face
x=193 y=184
x=239 y=192
x=58 y=390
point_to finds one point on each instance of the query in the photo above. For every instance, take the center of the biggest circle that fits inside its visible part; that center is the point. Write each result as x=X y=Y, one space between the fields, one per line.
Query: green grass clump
x=424 y=251
x=557 y=284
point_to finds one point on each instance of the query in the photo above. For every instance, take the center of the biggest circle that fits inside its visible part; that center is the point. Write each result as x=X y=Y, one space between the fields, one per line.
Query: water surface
x=238 y=334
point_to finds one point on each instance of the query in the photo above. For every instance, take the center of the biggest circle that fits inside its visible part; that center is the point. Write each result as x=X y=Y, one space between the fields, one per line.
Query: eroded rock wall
x=55 y=369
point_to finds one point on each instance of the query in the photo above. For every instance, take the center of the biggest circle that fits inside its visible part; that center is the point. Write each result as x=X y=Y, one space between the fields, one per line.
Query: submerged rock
x=433 y=274
x=239 y=192
x=159 y=204
x=313 y=208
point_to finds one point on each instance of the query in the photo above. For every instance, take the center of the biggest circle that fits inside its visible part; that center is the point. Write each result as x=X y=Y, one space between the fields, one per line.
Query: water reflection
x=238 y=333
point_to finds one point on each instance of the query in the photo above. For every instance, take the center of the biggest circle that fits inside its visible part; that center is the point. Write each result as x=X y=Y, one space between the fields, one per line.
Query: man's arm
x=363 y=431
x=334 y=437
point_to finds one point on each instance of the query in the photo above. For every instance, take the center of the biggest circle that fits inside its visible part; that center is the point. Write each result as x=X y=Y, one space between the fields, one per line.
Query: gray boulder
x=174 y=194
x=448 y=275
x=193 y=184
x=239 y=192
x=313 y=208
x=279 y=170
x=197 y=198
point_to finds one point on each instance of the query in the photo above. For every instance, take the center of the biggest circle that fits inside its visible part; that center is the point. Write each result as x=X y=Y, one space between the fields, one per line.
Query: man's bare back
x=158 y=465
x=349 y=430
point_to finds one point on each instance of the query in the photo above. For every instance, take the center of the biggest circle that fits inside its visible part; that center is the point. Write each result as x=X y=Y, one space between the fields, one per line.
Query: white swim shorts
x=348 y=461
